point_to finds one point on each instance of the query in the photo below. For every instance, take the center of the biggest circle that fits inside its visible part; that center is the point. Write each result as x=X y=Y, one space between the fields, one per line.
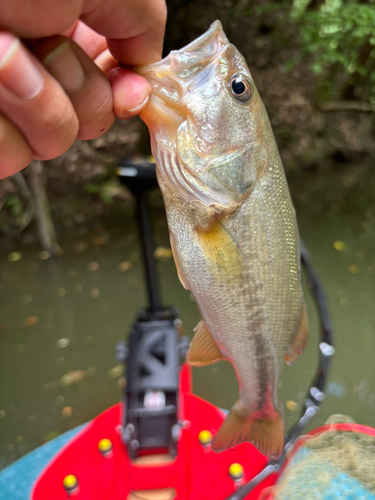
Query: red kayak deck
x=197 y=473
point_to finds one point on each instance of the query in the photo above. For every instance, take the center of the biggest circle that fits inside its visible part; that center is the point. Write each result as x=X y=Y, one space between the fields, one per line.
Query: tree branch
x=362 y=107
x=43 y=216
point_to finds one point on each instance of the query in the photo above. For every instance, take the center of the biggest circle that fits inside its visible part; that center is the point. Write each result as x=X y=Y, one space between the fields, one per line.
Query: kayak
x=94 y=462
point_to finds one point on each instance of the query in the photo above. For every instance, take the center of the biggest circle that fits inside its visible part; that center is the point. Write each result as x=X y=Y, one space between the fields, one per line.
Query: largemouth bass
x=232 y=226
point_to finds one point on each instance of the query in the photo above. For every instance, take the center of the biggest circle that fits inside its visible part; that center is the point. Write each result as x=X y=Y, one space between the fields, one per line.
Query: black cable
x=149 y=263
x=315 y=394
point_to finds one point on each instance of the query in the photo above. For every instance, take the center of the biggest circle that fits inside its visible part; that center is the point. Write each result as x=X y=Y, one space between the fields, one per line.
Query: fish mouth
x=207 y=46
x=179 y=72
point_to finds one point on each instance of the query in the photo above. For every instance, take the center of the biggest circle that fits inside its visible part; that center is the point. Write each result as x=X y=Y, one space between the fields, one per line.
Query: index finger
x=134 y=29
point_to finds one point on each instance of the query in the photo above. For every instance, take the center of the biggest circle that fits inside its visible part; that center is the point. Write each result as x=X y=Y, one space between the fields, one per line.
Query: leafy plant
x=14 y=204
x=106 y=190
x=337 y=35
x=340 y=36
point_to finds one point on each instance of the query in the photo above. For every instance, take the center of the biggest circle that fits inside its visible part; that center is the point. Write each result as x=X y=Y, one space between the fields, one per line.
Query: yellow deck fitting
x=105 y=446
x=70 y=483
x=236 y=471
x=205 y=437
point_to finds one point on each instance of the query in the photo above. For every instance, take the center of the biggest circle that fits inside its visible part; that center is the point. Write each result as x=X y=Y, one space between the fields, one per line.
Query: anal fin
x=298 y=344
x=266 y=434
x=203 y=349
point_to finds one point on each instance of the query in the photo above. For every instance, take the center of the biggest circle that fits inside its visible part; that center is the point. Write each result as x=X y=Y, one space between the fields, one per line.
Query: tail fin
x=266 y=435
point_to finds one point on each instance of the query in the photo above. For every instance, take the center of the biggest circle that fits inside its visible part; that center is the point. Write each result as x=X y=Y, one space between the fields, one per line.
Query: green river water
x=60 y=319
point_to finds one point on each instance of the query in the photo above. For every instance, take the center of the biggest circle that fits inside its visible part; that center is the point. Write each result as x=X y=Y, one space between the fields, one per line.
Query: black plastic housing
x=153 y=367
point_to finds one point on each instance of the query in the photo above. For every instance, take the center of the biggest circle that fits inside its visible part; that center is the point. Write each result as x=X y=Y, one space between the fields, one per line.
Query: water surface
x=60 y=319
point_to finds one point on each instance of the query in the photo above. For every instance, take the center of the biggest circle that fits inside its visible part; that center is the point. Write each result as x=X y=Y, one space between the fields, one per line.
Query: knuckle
x=96 y=120
x=158 y=16
x=60 y=128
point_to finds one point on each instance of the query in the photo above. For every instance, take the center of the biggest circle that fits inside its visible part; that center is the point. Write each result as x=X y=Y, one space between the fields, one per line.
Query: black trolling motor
x=155 y=344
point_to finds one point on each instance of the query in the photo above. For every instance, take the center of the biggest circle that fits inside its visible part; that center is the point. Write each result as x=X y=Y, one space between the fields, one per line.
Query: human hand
x=59 y=75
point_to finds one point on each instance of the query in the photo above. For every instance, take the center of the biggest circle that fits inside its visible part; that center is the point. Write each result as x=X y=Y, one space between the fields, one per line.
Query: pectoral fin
x=203 y=349
x=297 y=346
x=221 y=251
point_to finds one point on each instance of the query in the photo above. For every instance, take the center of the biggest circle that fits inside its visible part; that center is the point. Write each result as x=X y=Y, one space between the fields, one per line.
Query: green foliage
x=106 y=190
x=101 y=191
x=14 y=204
x=339 y=35
x=92 y=188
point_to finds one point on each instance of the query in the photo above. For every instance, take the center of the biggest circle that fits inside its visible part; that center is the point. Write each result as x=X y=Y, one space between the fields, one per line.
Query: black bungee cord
x=315 y=394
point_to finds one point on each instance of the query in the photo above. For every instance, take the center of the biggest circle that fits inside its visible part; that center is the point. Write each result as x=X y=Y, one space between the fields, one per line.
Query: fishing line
x=315 y=394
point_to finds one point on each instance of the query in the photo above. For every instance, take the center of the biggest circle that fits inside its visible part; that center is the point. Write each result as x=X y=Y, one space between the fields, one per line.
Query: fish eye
x=241 y=87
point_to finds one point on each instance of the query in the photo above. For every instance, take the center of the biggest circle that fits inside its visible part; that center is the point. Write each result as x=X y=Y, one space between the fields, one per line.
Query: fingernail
x=64 y=65
x=140 y=106
x=18 y=72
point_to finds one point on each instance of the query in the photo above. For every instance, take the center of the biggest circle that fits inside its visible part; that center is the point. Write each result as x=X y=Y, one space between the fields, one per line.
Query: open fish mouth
x=178 y=73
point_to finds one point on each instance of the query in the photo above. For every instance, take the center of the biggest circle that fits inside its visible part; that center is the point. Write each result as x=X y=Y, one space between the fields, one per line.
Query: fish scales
x=232 y=225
